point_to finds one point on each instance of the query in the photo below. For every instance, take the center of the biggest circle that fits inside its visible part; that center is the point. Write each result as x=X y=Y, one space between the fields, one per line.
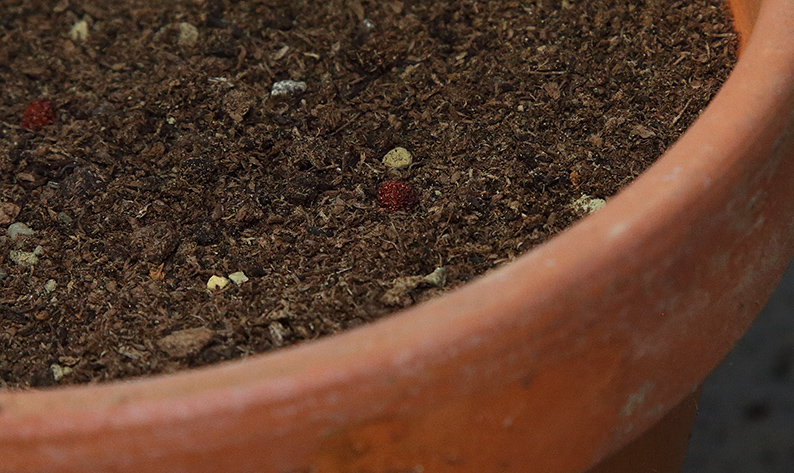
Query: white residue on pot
x=637 y=398
x=673 y=175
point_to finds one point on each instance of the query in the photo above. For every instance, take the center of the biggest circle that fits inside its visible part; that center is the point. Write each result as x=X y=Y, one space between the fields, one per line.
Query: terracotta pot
x=551 y=364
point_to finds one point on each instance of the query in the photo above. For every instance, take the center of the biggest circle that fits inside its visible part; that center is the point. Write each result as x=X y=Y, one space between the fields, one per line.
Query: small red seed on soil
x=37 y=114
x=396 y=195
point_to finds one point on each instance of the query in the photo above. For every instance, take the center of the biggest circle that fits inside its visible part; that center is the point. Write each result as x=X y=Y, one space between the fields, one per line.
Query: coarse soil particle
x=169 y=163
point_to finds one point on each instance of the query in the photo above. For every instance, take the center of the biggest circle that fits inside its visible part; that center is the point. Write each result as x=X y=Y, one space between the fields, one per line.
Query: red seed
x=37 y=114
x=396 y=195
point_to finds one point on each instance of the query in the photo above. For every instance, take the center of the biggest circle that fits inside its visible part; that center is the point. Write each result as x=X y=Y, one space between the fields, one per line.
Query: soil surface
x=169 y=160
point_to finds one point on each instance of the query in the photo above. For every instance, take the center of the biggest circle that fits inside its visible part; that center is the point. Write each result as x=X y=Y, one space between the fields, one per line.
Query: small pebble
x=398 y=158
x=238 y=278
x=23 y=258
x=585 y=205
x=79 y=31
x=188 y=34
x=19 y=228
x=51 y=285
x=217 y=282
x=287 y=87
x=58 y=371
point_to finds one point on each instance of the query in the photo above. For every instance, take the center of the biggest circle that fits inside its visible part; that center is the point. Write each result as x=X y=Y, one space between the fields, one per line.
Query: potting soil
x=208 y=188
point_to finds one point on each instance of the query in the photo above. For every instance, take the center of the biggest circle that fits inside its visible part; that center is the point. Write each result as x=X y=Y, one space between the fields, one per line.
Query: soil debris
x=186 y=342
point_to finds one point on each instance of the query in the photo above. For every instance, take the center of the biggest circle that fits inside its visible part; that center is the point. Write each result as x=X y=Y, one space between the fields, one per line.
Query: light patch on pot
x=618 y=229
x=636 y=399
x=586 y=205
x=673 y=175
x=332 y=399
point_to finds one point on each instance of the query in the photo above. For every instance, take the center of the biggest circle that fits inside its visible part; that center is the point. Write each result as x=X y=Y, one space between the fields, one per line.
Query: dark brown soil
x=170 y=163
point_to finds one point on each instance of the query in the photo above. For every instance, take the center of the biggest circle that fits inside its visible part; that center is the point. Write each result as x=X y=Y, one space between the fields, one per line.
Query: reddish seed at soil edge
x=37 y=114
x=396 y=195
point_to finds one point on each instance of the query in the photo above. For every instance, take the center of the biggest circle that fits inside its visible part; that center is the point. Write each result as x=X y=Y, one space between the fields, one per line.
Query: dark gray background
x=745 y=420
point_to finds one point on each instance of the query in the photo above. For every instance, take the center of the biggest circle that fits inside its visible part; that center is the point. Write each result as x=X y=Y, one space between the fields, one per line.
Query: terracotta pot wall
x=745 y=13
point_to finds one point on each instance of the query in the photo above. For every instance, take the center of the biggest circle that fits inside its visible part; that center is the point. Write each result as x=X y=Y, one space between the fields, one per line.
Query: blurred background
x=745 y=420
